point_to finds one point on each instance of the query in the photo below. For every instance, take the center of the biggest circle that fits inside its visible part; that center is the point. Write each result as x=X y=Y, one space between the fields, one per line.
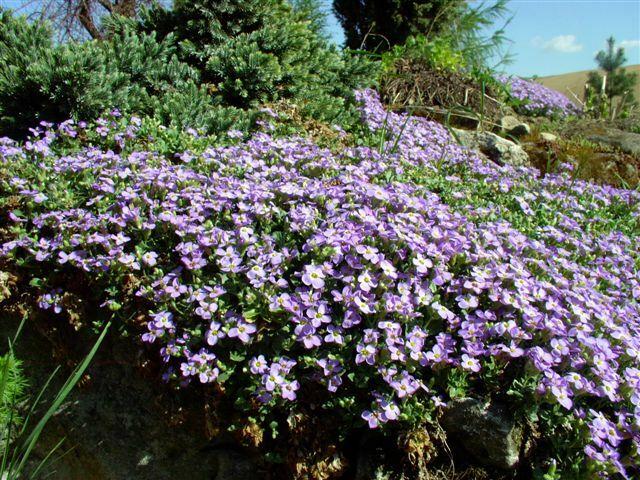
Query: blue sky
x=559 y=36
x=552 y=36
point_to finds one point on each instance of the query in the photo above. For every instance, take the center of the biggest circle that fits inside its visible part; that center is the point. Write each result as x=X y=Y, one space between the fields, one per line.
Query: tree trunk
x=86 y=19
x=126 y=8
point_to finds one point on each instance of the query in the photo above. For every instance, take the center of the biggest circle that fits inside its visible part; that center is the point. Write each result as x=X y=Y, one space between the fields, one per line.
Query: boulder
x=628 y=142
x=548 y=137
x=488 y=431
x=514 y=126
x=121 y=424
x=498 y=149
x=371 y=460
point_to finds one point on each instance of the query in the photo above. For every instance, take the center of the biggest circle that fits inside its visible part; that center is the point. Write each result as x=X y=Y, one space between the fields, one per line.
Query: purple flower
x=258 y=365
x=313 y=276
x=242 y=331
x=469 y=363
x=563 y=395
x=405 y=386
x=307 y=335
x=150 y=258
x=163 y=320
x=288 y=390
x=374 y=419
x=390 y=410
x=274 y=378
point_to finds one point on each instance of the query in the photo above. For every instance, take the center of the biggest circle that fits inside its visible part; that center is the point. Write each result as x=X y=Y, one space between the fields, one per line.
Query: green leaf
x=237 y=357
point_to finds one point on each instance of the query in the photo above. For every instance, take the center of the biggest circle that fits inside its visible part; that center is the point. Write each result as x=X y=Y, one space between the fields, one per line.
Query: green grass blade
x=19 y=330
x=35 y=403
x=5 y=453
x=45 y=460
x=399 y=136
x=64 y=392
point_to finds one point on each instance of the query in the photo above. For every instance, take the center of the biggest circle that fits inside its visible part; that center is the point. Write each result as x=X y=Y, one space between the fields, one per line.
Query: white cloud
x=630 y=44
x=537 y=41
x=561 y=43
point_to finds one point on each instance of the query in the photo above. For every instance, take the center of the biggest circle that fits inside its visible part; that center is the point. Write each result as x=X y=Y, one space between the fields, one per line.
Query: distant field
x=574 y=82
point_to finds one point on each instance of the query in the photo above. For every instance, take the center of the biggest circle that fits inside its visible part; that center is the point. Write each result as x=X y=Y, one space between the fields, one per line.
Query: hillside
x=574 y=81
x=231 y=250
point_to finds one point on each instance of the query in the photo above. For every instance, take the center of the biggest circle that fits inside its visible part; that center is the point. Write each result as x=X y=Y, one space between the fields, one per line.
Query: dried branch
x=79 y=19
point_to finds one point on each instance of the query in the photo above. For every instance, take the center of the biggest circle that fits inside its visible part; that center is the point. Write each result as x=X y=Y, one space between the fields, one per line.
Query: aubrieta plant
x=379 y=282
x=535 y=99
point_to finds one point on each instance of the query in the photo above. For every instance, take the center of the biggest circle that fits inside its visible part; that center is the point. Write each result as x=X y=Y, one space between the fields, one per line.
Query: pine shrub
x=42 y=81
x=254 y=52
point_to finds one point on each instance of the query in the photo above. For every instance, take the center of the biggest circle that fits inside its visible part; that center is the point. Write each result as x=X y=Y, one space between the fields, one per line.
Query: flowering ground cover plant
x=536 y=99
x=379 y=282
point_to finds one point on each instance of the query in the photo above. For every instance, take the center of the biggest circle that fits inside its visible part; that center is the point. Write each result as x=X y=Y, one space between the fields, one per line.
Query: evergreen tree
x=380 y=24
x=43 y=81
x=312 y=11
x=474 y=34
x=132 y=71
x=619 y=83
x=257 y=51
x=204 y=64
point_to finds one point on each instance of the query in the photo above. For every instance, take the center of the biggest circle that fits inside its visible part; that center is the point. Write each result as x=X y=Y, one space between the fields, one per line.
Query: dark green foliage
x=41 y=81
x=253 y=52
x=478 y=33
x=160 y=84
x=202 y=24
x=378 y=25
x=151 y=67
x=132 y=71
x=204 y=64
x=193 y=107
x=611 y=59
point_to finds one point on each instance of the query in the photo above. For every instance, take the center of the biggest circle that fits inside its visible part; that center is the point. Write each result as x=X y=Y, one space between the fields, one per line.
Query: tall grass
x=16 y=454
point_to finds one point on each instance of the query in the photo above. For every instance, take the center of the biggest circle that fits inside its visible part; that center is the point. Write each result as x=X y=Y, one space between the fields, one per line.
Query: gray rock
x=498 y=149
x=548 y=137
x=233 y=465
x=514 y=126
x=120 y=425
x=628 y=142
x=488 y=431
x=371 y=460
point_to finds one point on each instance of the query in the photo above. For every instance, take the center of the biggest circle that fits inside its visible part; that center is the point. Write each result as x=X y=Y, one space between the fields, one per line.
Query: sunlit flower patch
x=537 y=99
x=378 y=282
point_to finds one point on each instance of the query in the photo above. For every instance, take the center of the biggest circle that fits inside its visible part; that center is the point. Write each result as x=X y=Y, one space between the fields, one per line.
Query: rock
x=372 y=457
x=233 y=465
x=513 y=126
x=548 y=137
x=488 y=431
x=628 y=142
x=498 y=149
x=118 y=424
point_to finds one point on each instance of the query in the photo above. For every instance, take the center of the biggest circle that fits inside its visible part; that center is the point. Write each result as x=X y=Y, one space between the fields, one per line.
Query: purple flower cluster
x=538 y=99
x=279 y=266
x=51 y=300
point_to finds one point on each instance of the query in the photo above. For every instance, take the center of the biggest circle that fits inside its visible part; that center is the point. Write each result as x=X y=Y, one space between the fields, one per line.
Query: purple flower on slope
x=242 y=331
x=469 y=363
x=313 y=276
